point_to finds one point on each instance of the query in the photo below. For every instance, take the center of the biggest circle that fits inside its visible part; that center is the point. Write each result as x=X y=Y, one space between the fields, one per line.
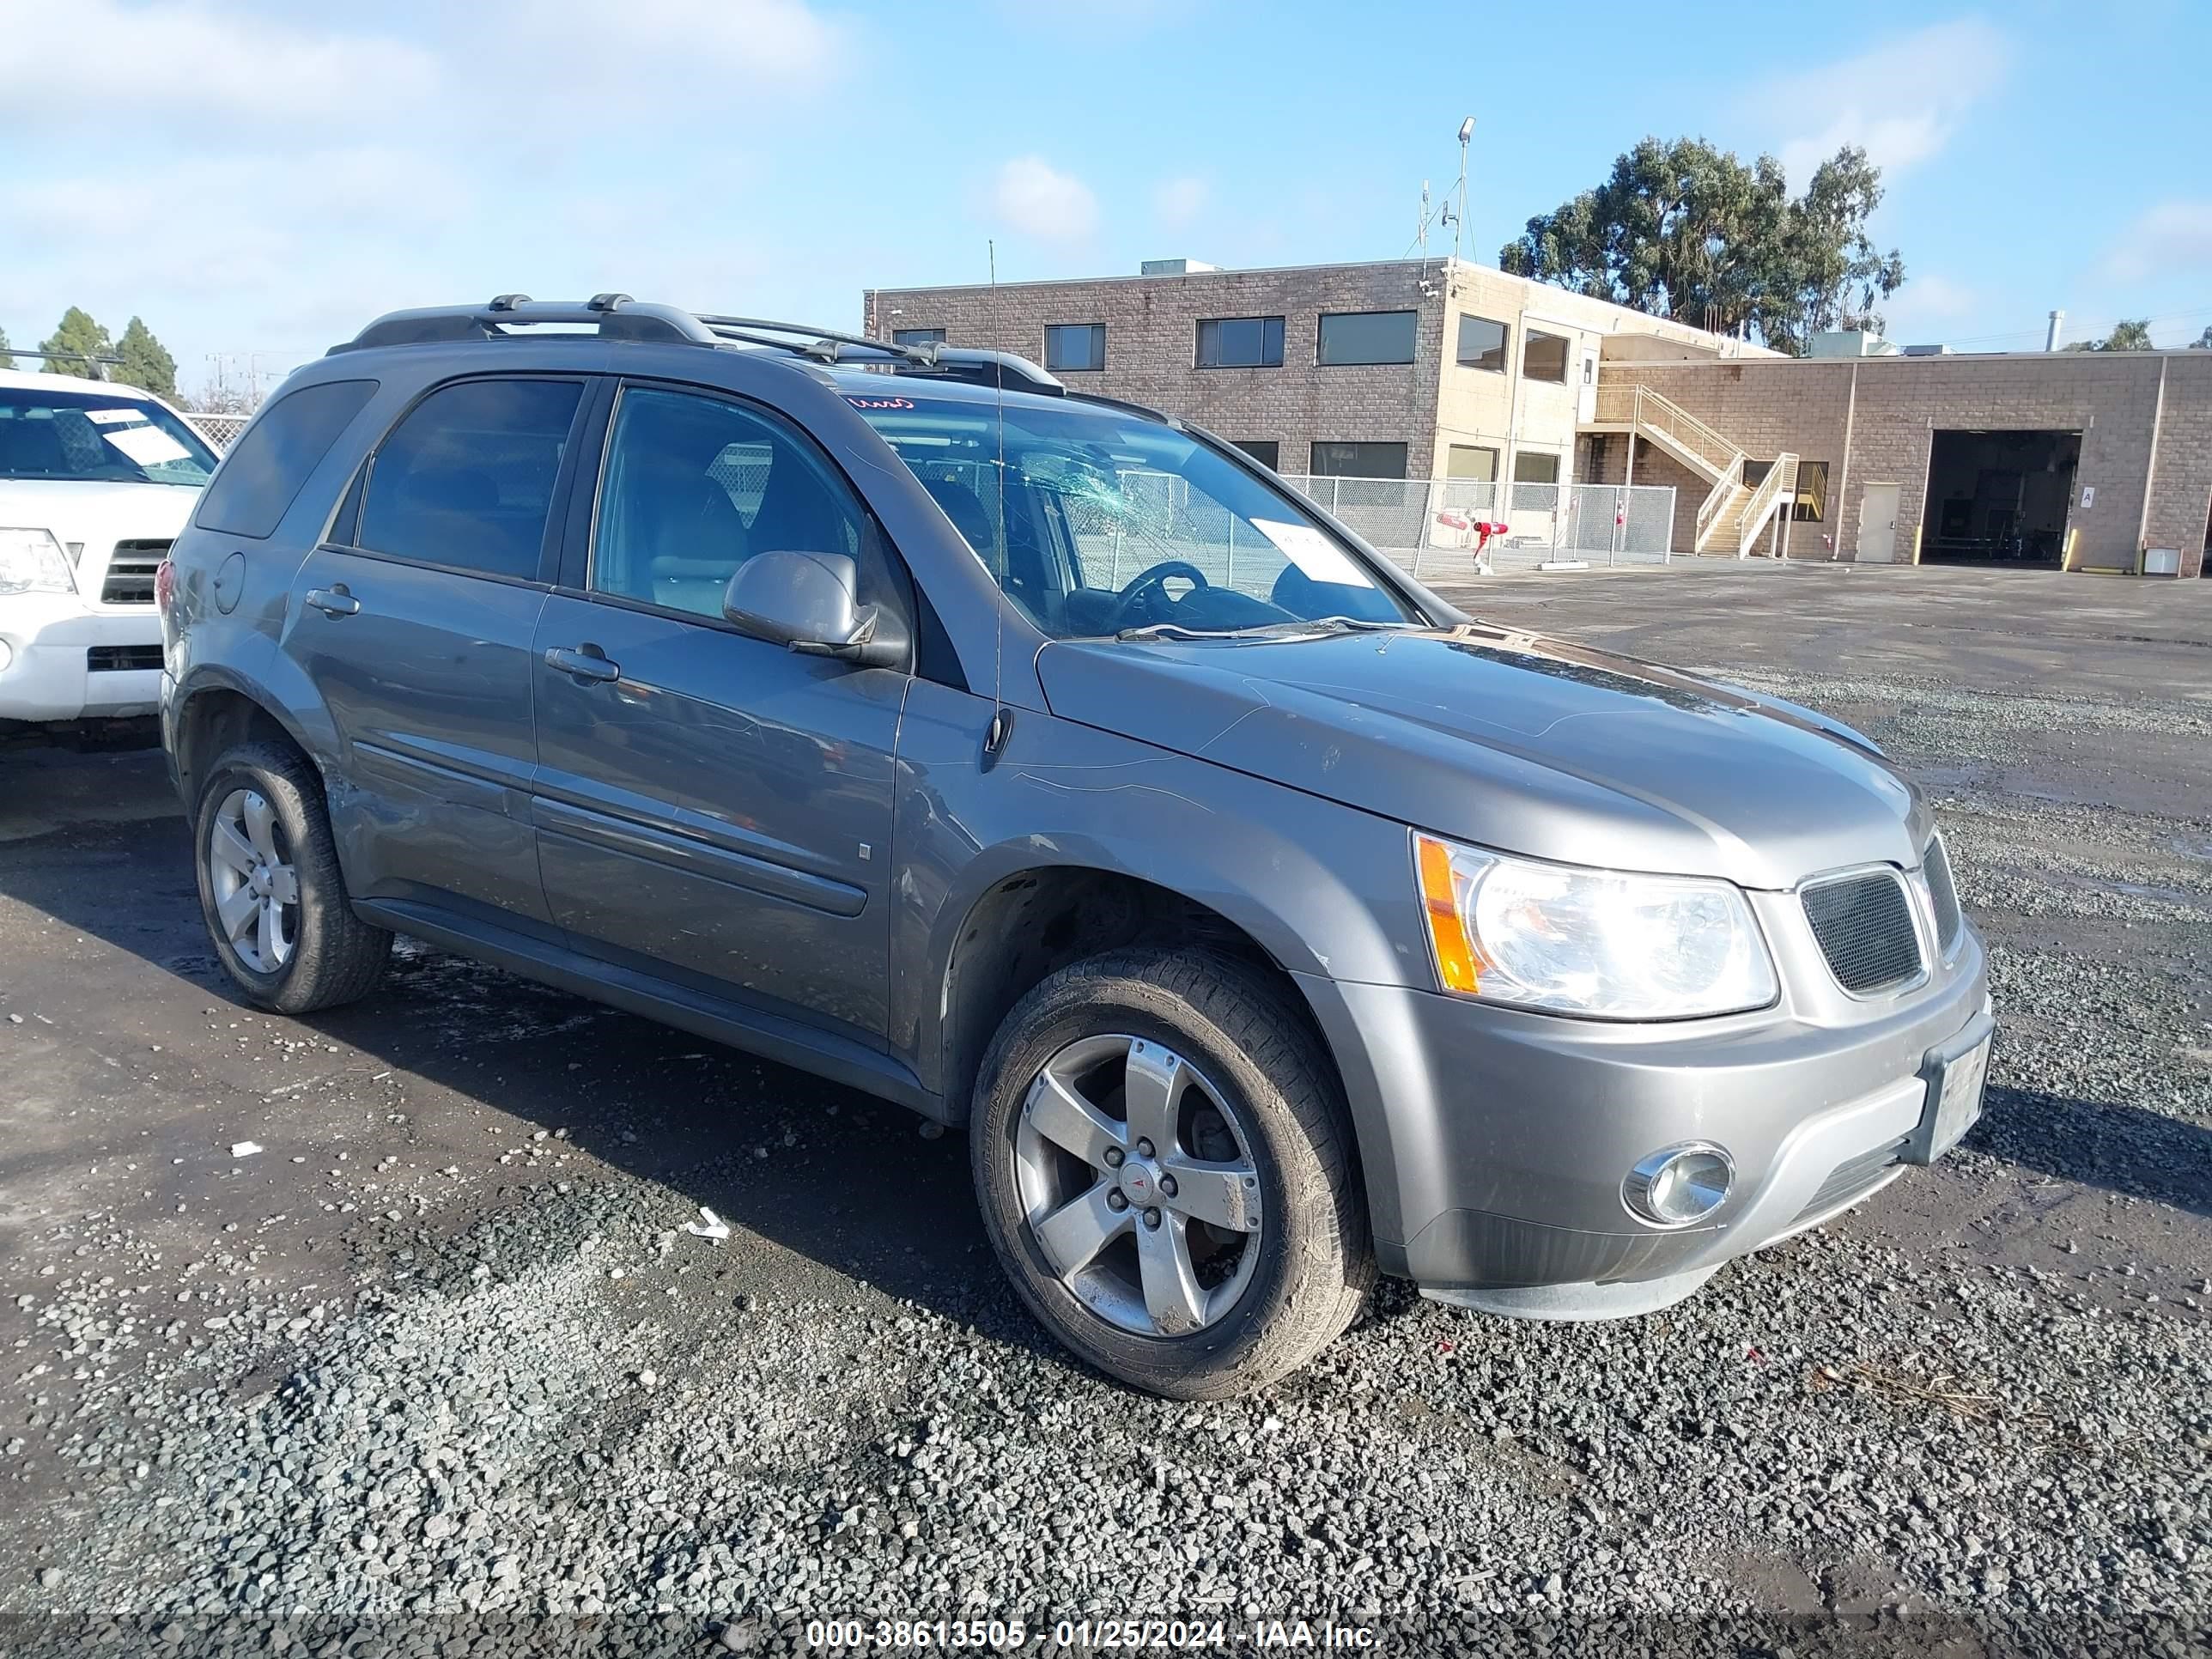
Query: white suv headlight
x=1607 y=943
x=31 y=562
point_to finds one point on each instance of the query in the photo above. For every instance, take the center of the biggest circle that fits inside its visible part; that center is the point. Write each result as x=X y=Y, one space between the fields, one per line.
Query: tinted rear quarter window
x=258 y=479
x=466 y=479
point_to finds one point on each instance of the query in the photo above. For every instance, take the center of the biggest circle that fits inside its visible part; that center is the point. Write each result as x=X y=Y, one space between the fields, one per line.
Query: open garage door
x=1998 y=497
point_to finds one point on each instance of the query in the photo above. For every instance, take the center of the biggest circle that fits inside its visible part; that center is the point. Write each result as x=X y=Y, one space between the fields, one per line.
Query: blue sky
x=261 y=178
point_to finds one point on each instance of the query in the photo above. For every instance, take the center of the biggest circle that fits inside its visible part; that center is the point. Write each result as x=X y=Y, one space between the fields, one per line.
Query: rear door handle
x=333 y=601
x=585 y=662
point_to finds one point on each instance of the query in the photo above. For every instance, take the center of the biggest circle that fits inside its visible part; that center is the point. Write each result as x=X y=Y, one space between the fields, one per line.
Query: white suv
x=95 y=481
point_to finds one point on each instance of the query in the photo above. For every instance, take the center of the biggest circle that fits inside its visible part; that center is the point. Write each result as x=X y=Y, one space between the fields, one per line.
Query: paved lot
x=439 y=1356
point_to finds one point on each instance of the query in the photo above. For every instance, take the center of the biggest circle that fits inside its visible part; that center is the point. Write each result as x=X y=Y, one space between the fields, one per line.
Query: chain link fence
x=1429 y=526
x=220 y=430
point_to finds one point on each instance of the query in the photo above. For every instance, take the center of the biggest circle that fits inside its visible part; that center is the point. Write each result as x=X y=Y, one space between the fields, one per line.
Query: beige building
x=1406 y=369
x=1440 y=369
x=2099 y=460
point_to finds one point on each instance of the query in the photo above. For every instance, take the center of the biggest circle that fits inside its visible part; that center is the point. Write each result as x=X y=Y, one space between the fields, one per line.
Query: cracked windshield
x=1112 y=526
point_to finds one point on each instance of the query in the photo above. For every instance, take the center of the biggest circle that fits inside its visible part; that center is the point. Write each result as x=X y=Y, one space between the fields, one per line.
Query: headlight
x=1603 y=943
x=31 y=562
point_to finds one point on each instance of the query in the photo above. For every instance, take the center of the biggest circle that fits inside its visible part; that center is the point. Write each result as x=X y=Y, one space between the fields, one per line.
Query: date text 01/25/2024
x=1084 y=1634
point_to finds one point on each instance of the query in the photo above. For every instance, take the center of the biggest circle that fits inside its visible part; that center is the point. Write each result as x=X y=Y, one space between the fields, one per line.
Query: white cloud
x=2172 y=239
x=1178 y=201
x=248 y=181
x=1031 y=196
x=174 y=57
x=679 y=57
x=1901 y=101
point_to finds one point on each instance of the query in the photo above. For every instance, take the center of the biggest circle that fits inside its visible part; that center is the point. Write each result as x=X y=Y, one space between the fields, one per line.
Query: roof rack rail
x=615 y=316
x=827 y=345
x=619 y=317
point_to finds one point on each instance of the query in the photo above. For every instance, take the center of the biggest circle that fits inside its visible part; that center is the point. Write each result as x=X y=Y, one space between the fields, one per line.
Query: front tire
x=271 y=890
x=1162 y=1155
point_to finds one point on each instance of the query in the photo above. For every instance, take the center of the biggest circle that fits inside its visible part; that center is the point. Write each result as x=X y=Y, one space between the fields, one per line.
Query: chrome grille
x=1864 y=925
x=131 y=567
x=1935 y=864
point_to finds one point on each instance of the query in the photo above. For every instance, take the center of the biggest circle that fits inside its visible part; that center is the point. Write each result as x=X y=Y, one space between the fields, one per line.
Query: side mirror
x=809 y=602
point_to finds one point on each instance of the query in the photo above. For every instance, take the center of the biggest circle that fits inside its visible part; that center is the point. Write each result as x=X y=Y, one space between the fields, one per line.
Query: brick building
x=1441 y=369
x=1406 y=369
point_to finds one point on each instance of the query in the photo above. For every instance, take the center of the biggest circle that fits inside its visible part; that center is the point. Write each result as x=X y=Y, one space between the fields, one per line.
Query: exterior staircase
x=1734 y=514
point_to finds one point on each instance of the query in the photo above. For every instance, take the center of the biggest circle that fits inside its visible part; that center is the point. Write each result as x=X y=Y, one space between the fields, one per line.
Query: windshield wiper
x=1294 y=629
x=1358 y=624
x=1176 y=631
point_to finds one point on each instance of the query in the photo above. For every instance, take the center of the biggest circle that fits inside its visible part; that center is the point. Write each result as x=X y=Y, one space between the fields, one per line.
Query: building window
x=1482 y=343
x=1265 y=451
x=910 y=337
x=1812 y=506
x=1240 y=343
x=1365 y=337
x=1070 y=347
x=1360 y=460
x=1534 y=466
x=1544 y=358
x=1472 y=463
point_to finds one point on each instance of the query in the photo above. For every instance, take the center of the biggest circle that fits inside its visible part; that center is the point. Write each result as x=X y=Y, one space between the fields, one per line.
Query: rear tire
x=1173 y=1286
x=271 y=892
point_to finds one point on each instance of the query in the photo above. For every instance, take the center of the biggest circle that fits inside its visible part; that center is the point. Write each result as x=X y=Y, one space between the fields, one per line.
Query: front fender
x=1325 y=889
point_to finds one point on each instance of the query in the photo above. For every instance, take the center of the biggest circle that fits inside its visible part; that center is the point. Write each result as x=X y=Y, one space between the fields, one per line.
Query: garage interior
x=1998 y=497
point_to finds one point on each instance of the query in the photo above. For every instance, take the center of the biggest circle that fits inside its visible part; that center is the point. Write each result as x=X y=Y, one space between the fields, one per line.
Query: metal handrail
x=1781 y=478
x=1730 y=481
x=1683 y=427
x=1651 y=412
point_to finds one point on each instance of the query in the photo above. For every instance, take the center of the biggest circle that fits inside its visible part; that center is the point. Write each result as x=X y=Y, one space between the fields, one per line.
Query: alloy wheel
x=255 y=885
x=1138 y=1185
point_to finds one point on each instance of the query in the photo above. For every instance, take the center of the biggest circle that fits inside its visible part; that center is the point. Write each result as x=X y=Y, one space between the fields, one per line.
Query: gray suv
x=1043 y=763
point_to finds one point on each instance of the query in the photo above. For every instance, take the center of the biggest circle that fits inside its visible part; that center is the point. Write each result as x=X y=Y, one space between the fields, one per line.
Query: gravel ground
x=440 y=1370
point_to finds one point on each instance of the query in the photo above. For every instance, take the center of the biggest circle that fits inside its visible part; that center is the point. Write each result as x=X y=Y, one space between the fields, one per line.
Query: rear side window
x=466 y=479
x=255 y=486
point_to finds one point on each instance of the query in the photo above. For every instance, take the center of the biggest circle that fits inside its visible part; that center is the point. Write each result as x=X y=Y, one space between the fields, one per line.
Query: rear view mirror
x=810 y=602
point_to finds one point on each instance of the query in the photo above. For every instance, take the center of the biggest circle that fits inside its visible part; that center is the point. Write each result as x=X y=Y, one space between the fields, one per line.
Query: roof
x=1212 y=273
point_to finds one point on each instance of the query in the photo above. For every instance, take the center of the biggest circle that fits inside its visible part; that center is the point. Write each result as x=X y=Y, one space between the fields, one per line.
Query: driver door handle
x=334 y=600
x=585 y=662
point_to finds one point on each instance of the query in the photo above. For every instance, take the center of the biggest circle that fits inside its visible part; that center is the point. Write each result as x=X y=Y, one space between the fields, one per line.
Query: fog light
x=1679 y=1186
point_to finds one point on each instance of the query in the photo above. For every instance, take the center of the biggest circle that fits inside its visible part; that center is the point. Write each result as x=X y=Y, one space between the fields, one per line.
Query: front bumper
x=1495 y=1141
x=50 y=640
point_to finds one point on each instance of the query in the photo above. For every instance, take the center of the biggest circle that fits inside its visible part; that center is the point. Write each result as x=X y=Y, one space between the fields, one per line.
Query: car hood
x=1513 y=741
x=92 y=513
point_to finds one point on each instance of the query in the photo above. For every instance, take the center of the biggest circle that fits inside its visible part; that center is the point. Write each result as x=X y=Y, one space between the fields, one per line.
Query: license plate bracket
x=1957 y=1074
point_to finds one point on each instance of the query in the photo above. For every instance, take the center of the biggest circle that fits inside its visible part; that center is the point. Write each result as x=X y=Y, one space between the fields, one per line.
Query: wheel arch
x=1027 y=922
x=216 y=712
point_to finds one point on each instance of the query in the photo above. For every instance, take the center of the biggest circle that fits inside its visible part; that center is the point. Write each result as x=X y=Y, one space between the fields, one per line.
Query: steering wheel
x=1145 y=596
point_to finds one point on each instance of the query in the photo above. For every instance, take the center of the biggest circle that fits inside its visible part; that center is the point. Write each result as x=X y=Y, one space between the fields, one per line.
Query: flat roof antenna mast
x=1459 y=218
x=1421 y=235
